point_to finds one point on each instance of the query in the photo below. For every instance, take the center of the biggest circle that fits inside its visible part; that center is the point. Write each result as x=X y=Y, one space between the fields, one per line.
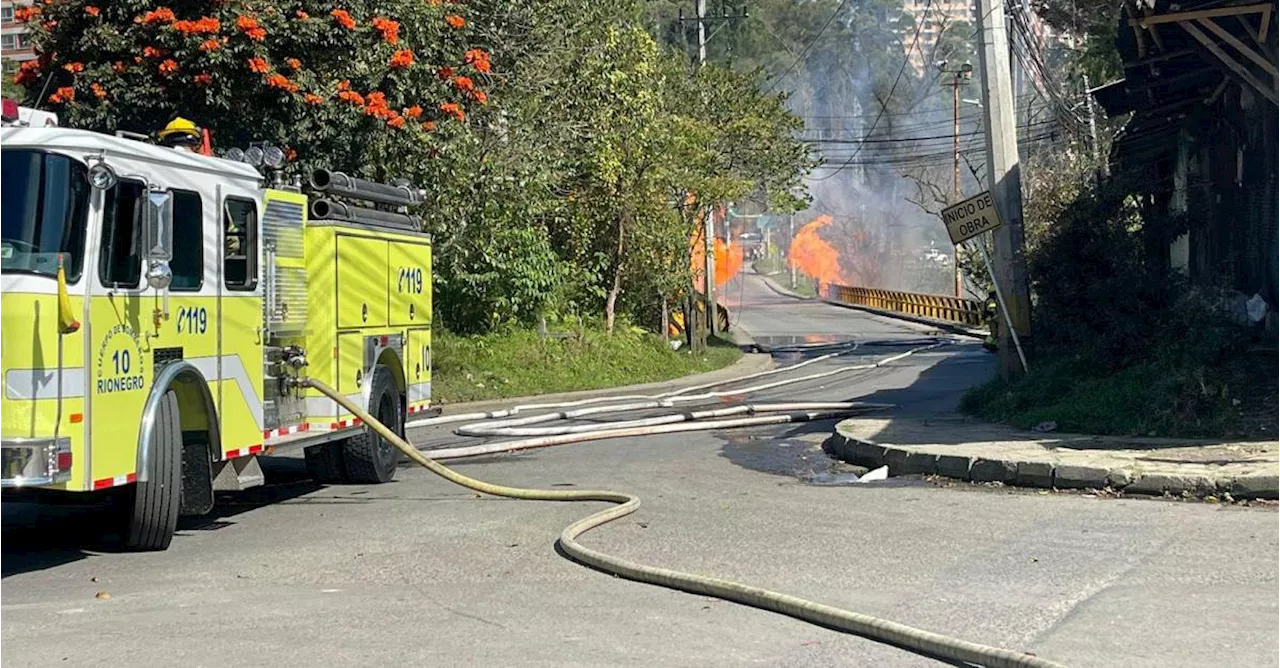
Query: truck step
x=237 y=474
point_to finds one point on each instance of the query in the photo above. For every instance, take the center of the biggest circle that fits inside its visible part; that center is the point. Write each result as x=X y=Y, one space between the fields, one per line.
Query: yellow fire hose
x=926 y=642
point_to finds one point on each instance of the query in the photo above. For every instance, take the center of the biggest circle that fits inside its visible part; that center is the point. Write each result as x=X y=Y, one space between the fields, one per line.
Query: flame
x=811 y=254
x=728 y=259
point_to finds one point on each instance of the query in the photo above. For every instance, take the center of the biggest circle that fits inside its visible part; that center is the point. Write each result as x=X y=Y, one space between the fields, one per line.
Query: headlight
x=235 y=154
x=254 y=156
x=101 y=176
x=273 y=157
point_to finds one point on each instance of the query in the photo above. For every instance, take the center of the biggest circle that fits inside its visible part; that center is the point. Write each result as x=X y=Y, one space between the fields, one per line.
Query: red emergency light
x=10 y=109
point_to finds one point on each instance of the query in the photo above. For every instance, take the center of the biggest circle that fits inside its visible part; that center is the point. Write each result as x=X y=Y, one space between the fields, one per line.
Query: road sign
x=971 y=217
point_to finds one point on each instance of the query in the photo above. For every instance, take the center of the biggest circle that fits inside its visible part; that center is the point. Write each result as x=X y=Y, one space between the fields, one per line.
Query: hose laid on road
x=508 y=427
x=843 y=620
x=844 y=348
x=669 y=418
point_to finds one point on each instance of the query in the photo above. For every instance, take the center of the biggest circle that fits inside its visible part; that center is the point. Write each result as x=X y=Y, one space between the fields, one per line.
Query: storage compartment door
x=418 y=358
x=362 y=282
x=410 y=284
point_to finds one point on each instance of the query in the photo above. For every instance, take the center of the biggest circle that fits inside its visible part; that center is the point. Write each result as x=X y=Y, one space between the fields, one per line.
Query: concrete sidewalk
x=965 y=449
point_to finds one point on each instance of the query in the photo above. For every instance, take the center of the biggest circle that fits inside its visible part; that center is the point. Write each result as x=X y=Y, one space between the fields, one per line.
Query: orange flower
x=25 y=14
x=377 y=99
x=249 y=26
x=203 y=79
x=433 y=3
x=28 y=73
x=258 y=65
x=481 y=97
x=413 y=112
x=351 y=96
x=390 y=29
x=464 y=83
x=313 y=99
x=478 y=59
x=98 y=90
x=64 y=94
x=290 y=154
x=159 y=15
x=401 y=59
x=344 y=85
x=429 y=126
x=91 y=10
x=282 y=82
x=293 y=63
x=118 y=67
x=343 y=18
x=452 y=109
x=210 y=45
x=455 y=21
x=199 y=27
x=396 y=121
x=445 y=73
x=74 y=68
x=50 y=25
x=137 y=60
x=302 y=16
x=169 y=66
x=152 y=52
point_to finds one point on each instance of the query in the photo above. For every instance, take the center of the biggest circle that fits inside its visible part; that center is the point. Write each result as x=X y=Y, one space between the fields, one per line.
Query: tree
x=339 y=88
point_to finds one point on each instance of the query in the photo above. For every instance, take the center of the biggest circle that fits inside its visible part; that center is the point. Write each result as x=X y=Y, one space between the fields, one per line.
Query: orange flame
x=728 y=259
x=811 y=254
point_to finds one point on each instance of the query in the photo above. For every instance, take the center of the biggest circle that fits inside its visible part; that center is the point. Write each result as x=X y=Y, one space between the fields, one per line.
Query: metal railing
x=935 y=307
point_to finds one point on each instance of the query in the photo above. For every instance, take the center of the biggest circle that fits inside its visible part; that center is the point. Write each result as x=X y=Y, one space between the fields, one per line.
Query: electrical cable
x=915 y=39
x=805 y=53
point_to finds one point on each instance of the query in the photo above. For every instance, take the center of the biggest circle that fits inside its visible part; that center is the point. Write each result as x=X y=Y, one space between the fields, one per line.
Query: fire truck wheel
x=369 y=457
x=153 y=508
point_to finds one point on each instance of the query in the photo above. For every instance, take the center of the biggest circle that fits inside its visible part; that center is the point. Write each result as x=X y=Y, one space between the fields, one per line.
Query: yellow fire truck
x=159 y=307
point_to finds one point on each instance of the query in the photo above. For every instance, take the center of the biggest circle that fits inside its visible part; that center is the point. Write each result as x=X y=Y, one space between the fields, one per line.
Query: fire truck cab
x=201 y=289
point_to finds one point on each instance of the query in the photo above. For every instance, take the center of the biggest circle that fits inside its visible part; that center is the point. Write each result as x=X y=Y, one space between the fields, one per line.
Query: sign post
x=967 y=220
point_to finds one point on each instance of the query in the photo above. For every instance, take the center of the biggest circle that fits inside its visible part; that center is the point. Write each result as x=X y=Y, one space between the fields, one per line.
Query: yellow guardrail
x=935 y=307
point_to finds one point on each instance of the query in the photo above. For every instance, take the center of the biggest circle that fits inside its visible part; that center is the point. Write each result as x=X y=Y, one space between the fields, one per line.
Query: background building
x=14 y=47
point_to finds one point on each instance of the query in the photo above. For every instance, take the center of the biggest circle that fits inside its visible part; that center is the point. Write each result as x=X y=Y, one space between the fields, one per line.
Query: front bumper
x=28 y=462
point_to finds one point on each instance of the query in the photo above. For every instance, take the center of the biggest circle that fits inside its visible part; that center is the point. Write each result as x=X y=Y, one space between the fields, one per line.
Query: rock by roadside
x=957 y=447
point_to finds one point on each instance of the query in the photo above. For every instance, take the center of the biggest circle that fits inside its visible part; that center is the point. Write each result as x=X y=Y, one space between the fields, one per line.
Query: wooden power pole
x=1003 y=175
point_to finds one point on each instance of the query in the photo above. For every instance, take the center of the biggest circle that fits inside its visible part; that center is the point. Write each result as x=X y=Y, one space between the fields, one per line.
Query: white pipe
x=562 y=439
x=487 y=428
x=467 y=417
x=670 y=418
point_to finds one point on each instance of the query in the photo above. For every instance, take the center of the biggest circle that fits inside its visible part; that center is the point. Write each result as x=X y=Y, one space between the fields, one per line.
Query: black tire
x=152 y=515
x=369 y=458
x=324 y=463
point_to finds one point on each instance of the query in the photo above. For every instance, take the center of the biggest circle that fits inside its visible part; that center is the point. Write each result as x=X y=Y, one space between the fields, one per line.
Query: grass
x=1165 y=395
x=517 y=363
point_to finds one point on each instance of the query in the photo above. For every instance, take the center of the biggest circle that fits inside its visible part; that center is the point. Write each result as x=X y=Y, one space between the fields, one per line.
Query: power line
x=805 y=53
x=915 y=39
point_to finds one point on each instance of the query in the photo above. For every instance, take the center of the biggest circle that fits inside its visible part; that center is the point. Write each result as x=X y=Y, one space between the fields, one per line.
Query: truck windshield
x=46 y=202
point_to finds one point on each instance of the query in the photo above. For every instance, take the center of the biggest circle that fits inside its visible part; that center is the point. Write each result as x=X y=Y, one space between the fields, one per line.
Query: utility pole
x=708 y=223
x=791 y=231
x=1003 y=175
x=958 y=77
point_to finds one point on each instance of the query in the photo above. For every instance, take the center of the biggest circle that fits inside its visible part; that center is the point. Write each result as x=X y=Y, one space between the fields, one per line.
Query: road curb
x=747 y=364
x=919 y=460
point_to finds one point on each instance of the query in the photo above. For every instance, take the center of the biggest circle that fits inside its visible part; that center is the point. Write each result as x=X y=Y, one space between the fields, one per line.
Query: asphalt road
x=420 y=573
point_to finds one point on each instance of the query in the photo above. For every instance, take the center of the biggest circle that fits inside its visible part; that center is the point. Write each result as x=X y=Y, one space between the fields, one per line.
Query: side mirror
x=158 y=236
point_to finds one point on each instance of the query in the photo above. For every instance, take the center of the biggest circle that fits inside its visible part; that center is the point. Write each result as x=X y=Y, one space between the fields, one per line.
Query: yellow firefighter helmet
x=180 y=126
